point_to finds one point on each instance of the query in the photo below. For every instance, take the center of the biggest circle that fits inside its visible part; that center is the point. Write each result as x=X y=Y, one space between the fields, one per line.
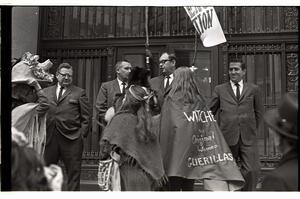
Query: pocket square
x=73 y=101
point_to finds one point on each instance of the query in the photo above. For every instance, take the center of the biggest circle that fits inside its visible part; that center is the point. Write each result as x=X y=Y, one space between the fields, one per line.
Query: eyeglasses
x=164 y=61
x=65 y=75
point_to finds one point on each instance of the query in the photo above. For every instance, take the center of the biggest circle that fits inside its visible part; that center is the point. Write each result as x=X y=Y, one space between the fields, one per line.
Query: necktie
x=123 y=87
x=237 y=91
x=60 y=93
x=168 y=82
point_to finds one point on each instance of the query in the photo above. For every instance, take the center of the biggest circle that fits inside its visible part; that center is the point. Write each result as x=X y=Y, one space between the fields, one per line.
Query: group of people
x=163 y=130
x=237 y=104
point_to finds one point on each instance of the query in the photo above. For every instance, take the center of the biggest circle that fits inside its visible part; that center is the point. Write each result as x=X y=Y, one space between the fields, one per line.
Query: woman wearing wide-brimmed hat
x=284 y=124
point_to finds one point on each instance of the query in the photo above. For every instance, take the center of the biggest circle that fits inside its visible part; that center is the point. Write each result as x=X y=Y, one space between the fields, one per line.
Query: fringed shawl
x=121 y=132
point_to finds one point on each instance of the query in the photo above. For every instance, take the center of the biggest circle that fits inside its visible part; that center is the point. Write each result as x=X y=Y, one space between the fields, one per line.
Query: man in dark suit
x=240 y=107
x=68 y=121
x=108 y=90
x=283 y=122
x=161 y=84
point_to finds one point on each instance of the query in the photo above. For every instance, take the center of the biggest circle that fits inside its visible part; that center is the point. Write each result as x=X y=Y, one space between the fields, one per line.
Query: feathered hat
x=29 y=68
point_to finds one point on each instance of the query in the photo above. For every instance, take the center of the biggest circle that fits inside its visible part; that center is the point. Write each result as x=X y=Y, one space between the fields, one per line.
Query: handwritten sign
x=206 y=22
x=204 y=141
x=200 y=116
x=193 y=145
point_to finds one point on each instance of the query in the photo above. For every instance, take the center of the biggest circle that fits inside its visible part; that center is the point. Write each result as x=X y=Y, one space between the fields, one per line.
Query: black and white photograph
x=157 y=98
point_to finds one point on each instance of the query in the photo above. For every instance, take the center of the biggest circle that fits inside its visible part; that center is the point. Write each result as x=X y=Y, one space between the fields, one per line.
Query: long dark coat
x=193 y=146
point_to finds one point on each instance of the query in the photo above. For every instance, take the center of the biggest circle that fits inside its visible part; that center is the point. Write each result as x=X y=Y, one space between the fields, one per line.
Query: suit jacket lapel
x=162 y=86
x=245 y=88
x=167 y=90
x=230 y=91
x=67 y=92
x=116 y=86
x=53 y=93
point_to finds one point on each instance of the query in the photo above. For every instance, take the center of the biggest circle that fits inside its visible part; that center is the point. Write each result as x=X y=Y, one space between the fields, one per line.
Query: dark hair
x=64 y=65
x=139 y=76
x=243 y=65
x=27 y=170
x=138 y=107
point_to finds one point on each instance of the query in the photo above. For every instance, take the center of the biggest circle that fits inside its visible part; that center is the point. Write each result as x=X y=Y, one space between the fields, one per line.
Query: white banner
x=206 y=22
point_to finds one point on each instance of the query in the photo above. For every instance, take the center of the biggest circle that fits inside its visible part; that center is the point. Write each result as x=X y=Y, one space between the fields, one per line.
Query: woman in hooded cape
x=130 y=134
x=192 y=144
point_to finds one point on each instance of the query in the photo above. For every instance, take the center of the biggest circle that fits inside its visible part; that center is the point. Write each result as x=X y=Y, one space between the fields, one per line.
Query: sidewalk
x=86 y=185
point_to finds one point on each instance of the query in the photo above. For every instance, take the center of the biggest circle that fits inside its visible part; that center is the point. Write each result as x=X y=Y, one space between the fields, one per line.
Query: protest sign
x=193 y=146
x=206 y=22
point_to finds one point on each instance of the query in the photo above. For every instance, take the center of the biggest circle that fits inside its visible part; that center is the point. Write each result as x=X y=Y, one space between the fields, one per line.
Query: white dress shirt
x=121 y=85
x=170 y=80
x=58 y=89
x=233 y=86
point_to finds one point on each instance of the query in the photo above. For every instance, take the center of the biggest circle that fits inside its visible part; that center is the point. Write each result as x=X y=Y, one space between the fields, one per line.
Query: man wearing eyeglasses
x=68 y=122
x=239 y=104
x=161 y=84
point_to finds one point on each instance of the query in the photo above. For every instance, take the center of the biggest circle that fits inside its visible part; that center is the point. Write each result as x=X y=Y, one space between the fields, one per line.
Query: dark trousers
x=70 y=152
x=180 y=184
x=247 y=157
